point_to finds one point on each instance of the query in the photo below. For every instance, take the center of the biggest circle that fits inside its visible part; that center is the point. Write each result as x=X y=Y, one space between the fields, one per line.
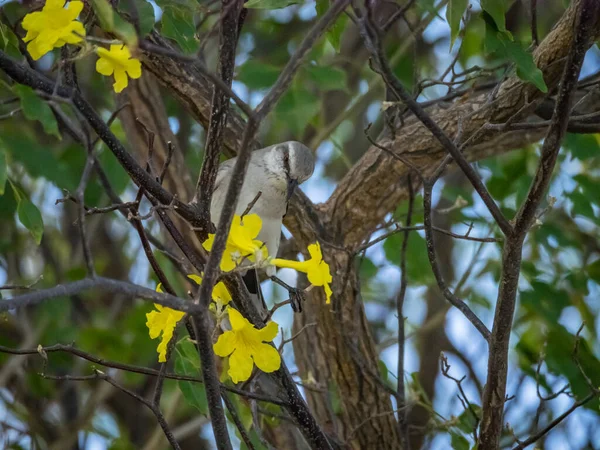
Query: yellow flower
x=316 y=269
x=162 y=321
x=118 y=60
x=245 y=346
x=52 y=27
x=220 y=294
x=241 y=242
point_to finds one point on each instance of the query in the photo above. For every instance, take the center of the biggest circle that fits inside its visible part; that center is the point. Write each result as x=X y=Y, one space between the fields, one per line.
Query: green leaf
x=454 y=13
x=10 y=42
x=8 y=206
x=334 y=33
x=39 y=160
x=105 y=14
x=296 y=108
x=458 y=441
x=467 y=422
x=187 y=362
x=545 y=300
x=112 y=22
x=560 y=361
x=367 y=269
x=269 y=4
x=31 y=218
x=328 y=78
x=3 y=170
x=178 y=24
x=145 y=14
x=497 y=10
x=258 y=75
x=383 y=370
x=593 y=271
x=582 y=146
x=503 y=45
x=581 y=205
x=34 y=108
x=418 y=269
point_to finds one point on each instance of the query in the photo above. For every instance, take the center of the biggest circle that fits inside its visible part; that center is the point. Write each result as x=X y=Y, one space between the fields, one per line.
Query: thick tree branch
x=371 y=36
x=588 y=13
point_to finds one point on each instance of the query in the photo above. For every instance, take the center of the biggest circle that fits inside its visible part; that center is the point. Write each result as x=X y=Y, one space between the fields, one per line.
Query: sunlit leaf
x=178 y=25
x=593 y=271
x=296 y=108
x=187 y=362
x=454 y=13
x=502 y=44
x=31 y=218
x=34 y=108
x=583 y=146
x=112 y=22
x=257 y=74
x=334 y=33
x=497 y=10
x=9 y=41
x=328 y=78
x=270 y=4
x=145 y=12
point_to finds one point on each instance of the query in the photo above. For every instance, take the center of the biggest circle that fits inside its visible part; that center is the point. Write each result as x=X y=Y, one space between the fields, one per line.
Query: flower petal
x=240 y=366
x=72 y=34
x=54 y=4
x=134 y=68
x=268 y=333
x=121 y=80
x=328 y=293
x=252 y=223
x=74 y=8
x=196 y=278
x=228 y=262
x=208 y=243
x=104 y=67
x=237 y=321
x=225 y=345
x=266 y=358
x=300 y=266
x=314 y=251
x=221 y=293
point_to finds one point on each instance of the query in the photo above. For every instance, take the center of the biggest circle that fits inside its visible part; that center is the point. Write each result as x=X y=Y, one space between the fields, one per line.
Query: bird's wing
x=223 y=173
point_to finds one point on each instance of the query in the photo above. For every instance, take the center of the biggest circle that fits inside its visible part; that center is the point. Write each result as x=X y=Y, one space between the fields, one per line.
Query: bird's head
x=291 y=162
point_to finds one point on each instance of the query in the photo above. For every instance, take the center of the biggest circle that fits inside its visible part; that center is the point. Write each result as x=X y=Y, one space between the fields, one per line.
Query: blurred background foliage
x=331 y=101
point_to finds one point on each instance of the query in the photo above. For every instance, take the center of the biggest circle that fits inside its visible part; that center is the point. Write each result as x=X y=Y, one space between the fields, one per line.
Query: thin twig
x=132 y=368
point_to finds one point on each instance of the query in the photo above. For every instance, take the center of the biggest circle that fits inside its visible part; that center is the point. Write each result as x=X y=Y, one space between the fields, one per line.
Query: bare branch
x=373 y=44
x=105 y=284
x=494 y=394
x=232 y=18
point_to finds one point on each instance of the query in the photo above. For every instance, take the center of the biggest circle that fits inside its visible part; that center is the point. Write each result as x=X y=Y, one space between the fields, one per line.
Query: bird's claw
x=297 y=297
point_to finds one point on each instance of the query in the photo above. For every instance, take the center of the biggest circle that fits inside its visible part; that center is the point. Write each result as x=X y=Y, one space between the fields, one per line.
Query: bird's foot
x=297 y=297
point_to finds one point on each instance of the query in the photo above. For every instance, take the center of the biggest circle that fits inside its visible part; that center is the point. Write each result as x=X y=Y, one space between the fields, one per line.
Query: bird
x=275 y=171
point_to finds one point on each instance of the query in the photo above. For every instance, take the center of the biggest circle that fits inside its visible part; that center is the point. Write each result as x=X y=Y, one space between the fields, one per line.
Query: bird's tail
x=252 y=282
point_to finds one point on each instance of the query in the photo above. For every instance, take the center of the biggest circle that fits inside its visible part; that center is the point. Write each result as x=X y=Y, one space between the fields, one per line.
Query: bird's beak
x=292 y=184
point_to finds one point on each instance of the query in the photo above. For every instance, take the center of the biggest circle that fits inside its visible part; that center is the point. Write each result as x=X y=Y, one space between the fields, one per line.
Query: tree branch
x=104 y=284
x=371 y=37
x=494 y=394
x=33 y=79
x=232 y=17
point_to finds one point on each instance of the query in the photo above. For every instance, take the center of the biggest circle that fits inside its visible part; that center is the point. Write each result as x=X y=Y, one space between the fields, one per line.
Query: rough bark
x=339 y=351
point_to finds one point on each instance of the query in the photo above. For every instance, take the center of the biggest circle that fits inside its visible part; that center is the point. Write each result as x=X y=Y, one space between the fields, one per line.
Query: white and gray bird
x=275 y=171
